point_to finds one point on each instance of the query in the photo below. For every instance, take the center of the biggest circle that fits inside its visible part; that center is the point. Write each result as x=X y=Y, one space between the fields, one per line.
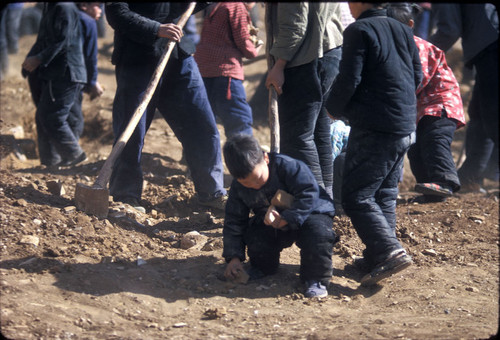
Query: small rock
x=36 y=221
x=215 y=313
x=429 y=252
x=17 y=132
x=140 y=261
x=192 y=239
x=180 y=324
x=21 y=203
x=69 y=208
x=472 y=289
x=55 y=188
x=30 y=239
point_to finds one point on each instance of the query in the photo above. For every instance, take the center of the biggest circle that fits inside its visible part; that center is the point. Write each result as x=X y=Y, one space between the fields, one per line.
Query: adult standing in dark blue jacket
x=57 y=57
x=477 y=25
x=375 y=90
x=142 y=31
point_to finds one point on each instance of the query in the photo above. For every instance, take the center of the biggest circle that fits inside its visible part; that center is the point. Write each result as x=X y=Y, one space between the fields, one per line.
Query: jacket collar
x=373 y=12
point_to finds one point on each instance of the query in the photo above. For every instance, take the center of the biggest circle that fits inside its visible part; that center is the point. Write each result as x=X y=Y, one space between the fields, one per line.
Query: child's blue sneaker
x=315 y=289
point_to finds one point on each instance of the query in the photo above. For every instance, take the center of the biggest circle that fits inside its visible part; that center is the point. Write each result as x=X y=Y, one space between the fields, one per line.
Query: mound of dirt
x=158 y=275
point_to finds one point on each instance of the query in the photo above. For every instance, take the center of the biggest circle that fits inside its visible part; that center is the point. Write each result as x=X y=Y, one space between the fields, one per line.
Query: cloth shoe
x=433 y=189
x=315 y=289
x=395 y=262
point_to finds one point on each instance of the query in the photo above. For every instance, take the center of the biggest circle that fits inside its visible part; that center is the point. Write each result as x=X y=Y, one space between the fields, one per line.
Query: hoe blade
x=92 y=200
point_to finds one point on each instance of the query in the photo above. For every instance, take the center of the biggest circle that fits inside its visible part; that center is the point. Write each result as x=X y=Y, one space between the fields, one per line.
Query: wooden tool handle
x=105 y=173
x=272 y=113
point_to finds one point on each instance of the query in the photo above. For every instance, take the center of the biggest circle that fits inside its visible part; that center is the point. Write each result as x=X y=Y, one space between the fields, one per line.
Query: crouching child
x=308 y=220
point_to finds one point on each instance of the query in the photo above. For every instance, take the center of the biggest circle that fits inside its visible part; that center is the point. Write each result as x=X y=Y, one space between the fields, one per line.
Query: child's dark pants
x=430 y=157
x=315 y=238
x=370 y=188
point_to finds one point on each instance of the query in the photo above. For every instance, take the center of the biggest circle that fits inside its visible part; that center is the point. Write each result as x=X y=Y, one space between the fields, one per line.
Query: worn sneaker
x=396 y=262
x=315 y=289
x=433 y=189
x=218 y=203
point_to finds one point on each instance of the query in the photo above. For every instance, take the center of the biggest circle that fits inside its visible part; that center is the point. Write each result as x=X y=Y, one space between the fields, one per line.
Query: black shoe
x=74 y=161
x=361 y=264
x=395 y=263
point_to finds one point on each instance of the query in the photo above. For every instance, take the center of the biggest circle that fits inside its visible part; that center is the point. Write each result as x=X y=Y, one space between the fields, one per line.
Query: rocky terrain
x=158 y=275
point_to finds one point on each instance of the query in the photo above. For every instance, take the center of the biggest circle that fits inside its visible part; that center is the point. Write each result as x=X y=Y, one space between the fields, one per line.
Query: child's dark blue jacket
x=379 y=72
x=285 y=173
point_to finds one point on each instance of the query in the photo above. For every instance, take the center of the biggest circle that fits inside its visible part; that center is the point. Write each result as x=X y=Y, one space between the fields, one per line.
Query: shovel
x=95 y=199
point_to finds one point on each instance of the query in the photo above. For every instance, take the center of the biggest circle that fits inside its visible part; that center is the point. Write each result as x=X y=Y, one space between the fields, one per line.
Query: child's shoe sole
x=433 y=189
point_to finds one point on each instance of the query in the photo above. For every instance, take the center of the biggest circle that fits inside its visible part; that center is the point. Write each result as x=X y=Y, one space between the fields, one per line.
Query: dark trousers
x=431 y=160
x=55 y=121
x=229 y=102
x=481 y=138
x=372 y=166
x=338 y=174
x=315 y=238
x=182 y=100
x=304 y=124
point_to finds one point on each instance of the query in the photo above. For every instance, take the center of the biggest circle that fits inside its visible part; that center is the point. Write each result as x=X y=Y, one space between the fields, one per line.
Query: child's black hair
x=403 y=11
x=241 y=154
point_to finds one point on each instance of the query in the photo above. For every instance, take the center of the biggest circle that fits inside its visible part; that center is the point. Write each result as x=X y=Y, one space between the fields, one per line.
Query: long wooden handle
x=105 y=173
x=272 y=113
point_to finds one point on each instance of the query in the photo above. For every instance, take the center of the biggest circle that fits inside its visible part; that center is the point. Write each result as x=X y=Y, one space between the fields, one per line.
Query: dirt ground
x=67 y=275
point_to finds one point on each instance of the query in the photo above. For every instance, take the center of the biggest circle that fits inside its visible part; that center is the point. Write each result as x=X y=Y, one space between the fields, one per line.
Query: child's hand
x=273 y=218
x=233 y=267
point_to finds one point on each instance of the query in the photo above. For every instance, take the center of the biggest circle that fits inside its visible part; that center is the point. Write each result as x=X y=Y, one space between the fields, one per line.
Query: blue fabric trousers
x=56 y=122
x=315 y=238
x=481 y=138
x=304 y=123
x=431 y=160
x=372 y=167
x=182 y=100
x=229 y=102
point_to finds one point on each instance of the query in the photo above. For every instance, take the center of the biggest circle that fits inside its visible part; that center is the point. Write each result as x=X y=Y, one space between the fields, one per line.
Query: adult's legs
x=369 y=189
x=478 y=145
x=75 y=119
x=4 y=56
x=127 y=178
x=184 y=104
x=57 y=98
x=328 y=69
x=299 y=107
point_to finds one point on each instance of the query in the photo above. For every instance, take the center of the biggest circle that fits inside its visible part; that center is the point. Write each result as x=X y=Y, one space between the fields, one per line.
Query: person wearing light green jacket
x=304 y=50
